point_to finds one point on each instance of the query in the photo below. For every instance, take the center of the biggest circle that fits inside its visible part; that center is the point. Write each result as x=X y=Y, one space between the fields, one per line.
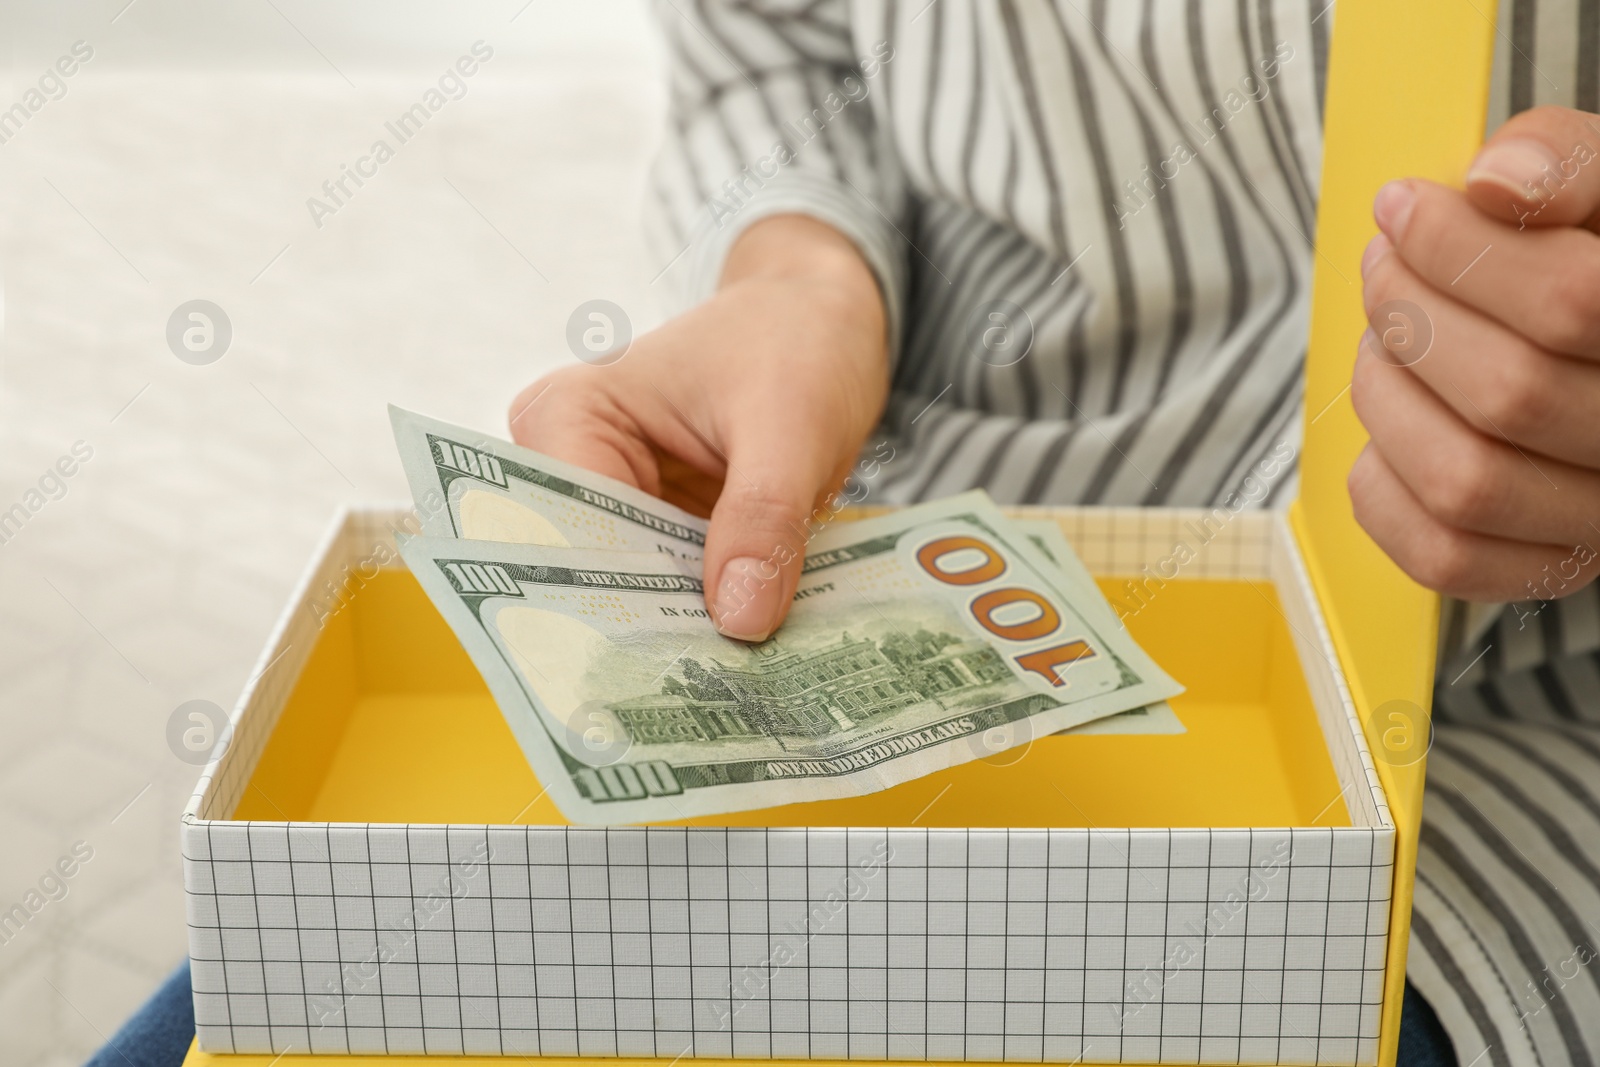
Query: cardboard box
x=371 y=868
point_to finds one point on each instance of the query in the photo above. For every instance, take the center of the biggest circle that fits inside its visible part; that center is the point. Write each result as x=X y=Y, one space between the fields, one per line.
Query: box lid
x=1406 y=95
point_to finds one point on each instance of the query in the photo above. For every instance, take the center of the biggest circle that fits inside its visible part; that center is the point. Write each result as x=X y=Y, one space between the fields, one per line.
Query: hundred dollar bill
x=1087 y=598
x=918 y=640
x=486 y=489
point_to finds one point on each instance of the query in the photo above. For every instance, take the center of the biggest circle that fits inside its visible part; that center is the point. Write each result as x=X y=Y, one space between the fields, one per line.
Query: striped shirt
x=1092 y=226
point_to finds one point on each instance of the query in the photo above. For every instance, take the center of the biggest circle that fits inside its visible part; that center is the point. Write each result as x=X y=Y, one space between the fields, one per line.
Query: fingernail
x=1392 y=208
x=749 y=598
x=1521 y=166
x=1377 y=248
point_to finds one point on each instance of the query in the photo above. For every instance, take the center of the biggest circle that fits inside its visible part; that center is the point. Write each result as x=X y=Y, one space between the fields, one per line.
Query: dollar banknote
x=918 y=640
x=1087 y=597
x=474 y=485
x=471 y=485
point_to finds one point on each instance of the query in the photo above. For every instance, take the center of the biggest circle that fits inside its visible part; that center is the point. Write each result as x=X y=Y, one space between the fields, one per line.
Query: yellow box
x=358 y=740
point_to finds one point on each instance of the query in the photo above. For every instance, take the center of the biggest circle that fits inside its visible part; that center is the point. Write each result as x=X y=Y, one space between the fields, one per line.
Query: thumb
x=756 y=544
x=1540 y=169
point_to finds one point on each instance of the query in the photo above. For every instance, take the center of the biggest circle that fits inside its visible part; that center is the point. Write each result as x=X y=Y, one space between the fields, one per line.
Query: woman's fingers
x=770 y=468
x=687 y=487
x=1496 y=380
x=757 y=541
x=1539 y=282
x=567 y=416
x=1480 y=377
x=1455 y=562
x=1536 y=170
x=748 y=407
x=1466 y=480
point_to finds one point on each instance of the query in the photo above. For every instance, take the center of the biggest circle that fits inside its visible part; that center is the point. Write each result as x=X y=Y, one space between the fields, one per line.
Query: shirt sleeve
x=771 y=113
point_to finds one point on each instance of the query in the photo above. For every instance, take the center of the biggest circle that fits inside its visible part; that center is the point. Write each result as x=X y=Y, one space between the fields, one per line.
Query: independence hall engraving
x=807 y=694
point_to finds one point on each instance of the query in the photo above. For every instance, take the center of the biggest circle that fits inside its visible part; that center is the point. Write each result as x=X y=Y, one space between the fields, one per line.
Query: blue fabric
x=159 y=1034
x=1423 y=1042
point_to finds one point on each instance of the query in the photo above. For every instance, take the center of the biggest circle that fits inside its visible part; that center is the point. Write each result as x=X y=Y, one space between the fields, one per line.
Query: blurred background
x=174 y=165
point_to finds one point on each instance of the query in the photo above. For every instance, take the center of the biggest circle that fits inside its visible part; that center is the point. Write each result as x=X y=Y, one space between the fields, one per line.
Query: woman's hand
x=750 y=407
x=1482 y=479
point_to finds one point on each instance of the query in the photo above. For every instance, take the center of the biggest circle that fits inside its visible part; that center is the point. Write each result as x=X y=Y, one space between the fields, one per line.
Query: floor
x=177 y=166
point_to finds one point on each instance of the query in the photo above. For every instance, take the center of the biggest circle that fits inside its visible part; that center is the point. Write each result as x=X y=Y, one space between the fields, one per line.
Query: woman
x=1062 y=252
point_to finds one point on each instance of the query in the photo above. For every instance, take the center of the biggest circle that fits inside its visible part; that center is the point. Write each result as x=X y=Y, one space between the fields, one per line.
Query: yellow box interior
x=389 y=722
